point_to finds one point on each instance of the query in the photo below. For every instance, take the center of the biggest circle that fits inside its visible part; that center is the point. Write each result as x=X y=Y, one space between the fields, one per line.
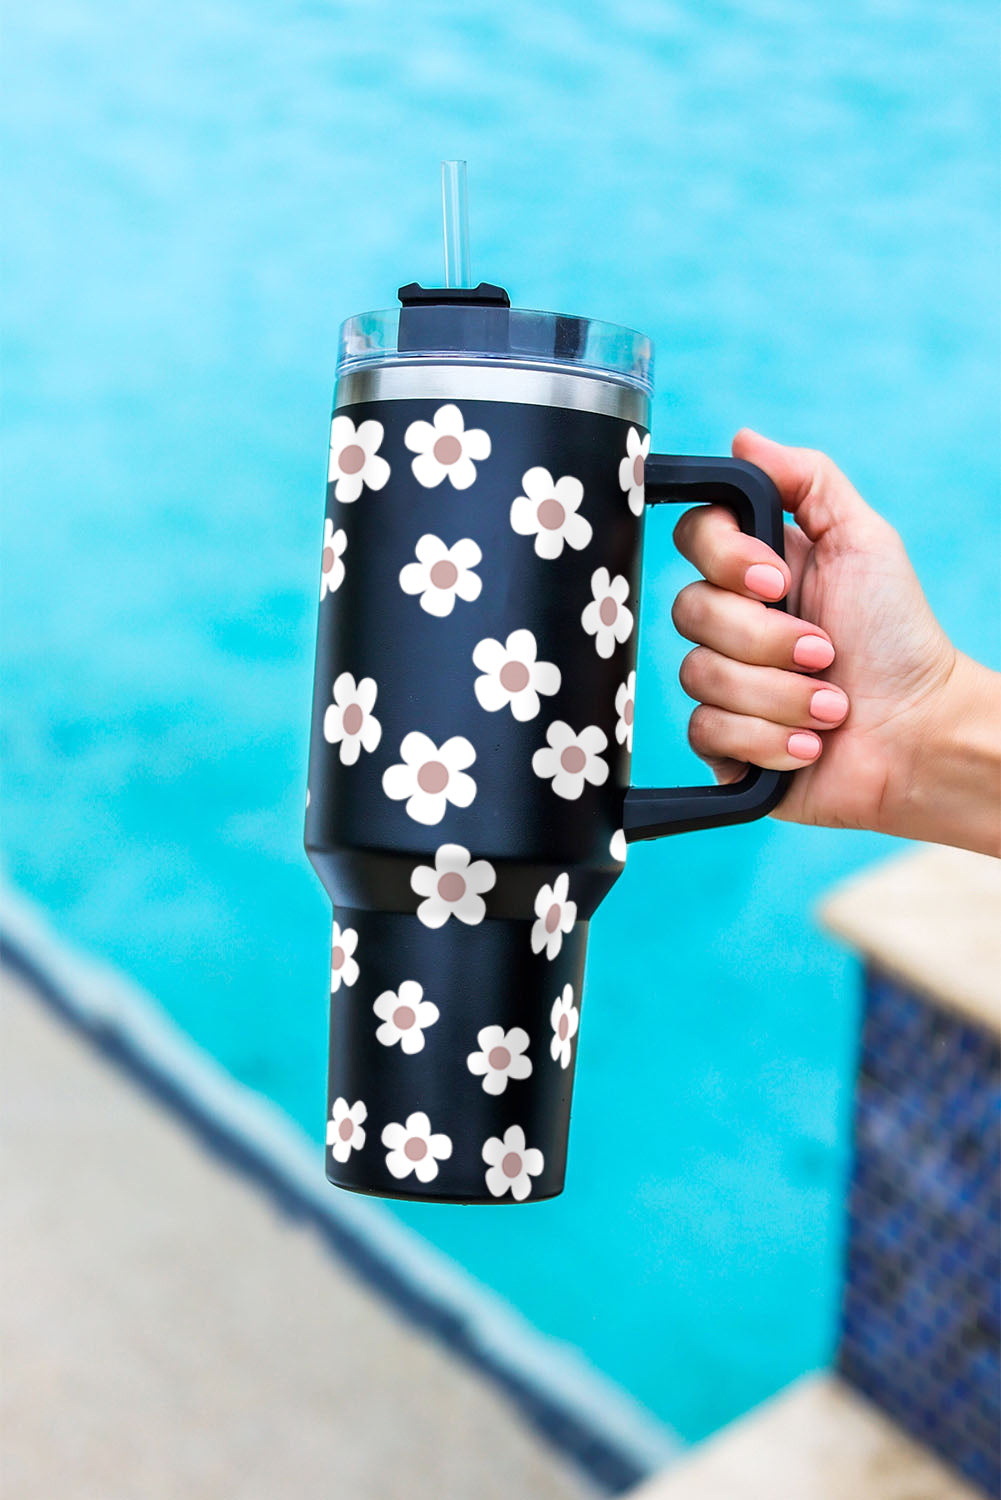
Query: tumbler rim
x=582 y=346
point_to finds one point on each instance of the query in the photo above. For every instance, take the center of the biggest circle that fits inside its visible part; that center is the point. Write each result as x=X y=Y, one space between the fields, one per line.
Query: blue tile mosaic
x=921 y=1316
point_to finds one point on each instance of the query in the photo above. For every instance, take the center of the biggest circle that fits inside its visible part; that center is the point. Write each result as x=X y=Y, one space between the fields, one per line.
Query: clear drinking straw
x=455 y=223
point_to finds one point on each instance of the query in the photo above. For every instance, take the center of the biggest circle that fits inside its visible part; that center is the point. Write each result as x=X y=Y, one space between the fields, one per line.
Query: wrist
x=951 y=789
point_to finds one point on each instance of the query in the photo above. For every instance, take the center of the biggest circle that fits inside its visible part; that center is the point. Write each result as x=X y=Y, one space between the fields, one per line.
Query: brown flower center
x=608 y=610
x=563 y=1028
x=638 y=469
x=337 y=957
x=573 y=760
x=346 y=1129
x=444 y=573
x=328 y=559
x=404 y=1017
x=352 y=459
x=514 y=676
x=629 y=710
x=451 y=886
x=354 y=718
x=511 y=1165
x=499 y=1057
x=432 y=777
x=447 y=449
x=553 y=917
x=415 y=1150
x=551 y=514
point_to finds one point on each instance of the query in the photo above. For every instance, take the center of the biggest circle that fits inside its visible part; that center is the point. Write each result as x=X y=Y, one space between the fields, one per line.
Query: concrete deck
x=167 y=1332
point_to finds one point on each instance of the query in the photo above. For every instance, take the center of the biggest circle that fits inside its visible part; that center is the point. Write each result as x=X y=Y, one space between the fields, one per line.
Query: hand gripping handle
x=744 y=489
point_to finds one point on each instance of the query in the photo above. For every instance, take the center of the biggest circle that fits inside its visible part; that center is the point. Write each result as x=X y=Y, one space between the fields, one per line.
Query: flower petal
x=525 y=705
x=477 y=444
x=489 y=655
x=419 y=437
x=569 y=492
x=457 y=753
x=522 y=645
x=398 y=782
x=461 y=791
x=538 y=484
x=428 y=471
x=438 y=602
x=546 y=678
x=414 y=578
x=416 y=748
x=523 y=516
x=369 y=436
x=490 y=695
x=449 y=419
x=549 y=544
x=433 y=913
x=468 y=586
x=577 y=531
x=465 y=553
x=462 y=473
x=348 y=488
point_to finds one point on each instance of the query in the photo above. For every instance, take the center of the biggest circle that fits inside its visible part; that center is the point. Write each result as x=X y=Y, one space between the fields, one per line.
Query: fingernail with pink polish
x=764 y=580
x=829 y=705
x=813 y=652
x=803 y=746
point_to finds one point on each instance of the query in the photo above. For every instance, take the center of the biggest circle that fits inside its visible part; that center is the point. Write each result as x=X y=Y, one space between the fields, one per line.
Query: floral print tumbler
x=469 y=802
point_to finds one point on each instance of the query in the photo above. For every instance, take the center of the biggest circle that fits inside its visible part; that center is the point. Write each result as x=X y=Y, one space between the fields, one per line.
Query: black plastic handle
x=746 y=490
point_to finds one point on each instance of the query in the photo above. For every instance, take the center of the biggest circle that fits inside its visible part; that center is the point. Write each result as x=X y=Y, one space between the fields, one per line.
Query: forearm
x=951 y=790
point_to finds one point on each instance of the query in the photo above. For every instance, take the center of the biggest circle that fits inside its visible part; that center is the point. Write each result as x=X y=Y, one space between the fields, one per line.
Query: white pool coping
x=932 y=918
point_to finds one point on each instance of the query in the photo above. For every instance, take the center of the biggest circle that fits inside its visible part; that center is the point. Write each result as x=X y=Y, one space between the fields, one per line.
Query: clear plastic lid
x=486 y=331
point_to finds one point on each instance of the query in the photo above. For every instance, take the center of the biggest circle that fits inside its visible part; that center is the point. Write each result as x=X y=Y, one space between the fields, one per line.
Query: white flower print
x=572 y=759
x=354 y=458
x=501 y=1057
x=512 y=678
x=548 y=511
x=453 y=888
x=332 y=564
x=442 y=574
x=344 y=1128
x=555 y=915
x=617 y=846
x=631 y=470
x=445 y=448
x=511 y=1165
x=343 y=965
x=412 y=1148
x=606 y=617
x=431 y=777
x=625 y=707
x=564 y=1019
x=404 y=1015
x=349 y=721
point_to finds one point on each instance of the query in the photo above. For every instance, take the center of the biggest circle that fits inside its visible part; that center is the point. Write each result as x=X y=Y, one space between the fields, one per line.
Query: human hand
x=857 y=688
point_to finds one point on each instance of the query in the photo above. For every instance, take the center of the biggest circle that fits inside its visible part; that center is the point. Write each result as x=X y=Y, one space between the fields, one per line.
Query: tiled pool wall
x=921 y=1321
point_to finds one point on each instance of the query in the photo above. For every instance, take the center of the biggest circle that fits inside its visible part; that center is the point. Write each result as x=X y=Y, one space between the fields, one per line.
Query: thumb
x=822 y=500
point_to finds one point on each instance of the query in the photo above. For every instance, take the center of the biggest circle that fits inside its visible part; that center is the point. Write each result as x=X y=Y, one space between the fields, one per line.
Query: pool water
x=799 y=204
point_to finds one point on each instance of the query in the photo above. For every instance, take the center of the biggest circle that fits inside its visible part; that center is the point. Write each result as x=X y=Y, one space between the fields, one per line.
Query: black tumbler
x=469 y=802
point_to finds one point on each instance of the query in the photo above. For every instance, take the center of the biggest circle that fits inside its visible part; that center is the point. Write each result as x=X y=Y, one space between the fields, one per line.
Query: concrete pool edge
x=580 y=1412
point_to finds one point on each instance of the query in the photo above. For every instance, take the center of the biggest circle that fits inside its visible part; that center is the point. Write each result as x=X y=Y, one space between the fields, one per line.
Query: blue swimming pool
x=799 y=204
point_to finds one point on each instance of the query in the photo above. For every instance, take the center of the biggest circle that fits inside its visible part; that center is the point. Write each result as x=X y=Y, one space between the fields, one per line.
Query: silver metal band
x=527 y=385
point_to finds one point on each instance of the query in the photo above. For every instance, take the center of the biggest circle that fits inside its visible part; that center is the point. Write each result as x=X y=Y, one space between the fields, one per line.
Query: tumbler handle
x=748 y=492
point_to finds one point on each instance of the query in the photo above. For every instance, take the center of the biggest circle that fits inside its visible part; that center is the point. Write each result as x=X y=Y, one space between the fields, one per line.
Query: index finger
x=710 y=538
